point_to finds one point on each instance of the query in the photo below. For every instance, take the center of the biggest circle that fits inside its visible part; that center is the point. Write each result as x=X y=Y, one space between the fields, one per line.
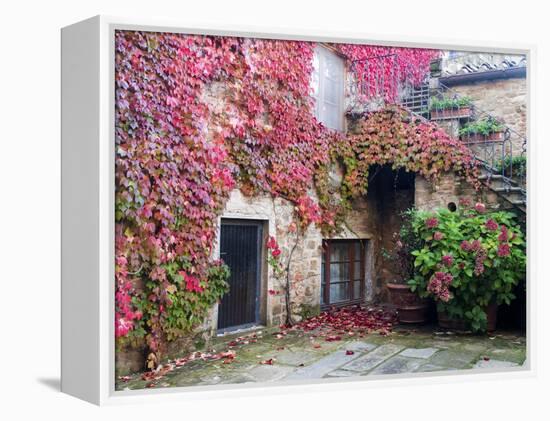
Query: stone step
x=487 y=176
x=501 y=183
x=507 y=189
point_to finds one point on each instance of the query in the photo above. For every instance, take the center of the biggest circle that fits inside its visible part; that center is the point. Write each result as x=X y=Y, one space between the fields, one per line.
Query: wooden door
x=240 y=249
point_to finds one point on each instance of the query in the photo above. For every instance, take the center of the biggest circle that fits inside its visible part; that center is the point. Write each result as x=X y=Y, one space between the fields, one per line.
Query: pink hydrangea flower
x=445 y=295
x=438 y=235
x=432 y=222
x=465 y=245
x=503 y=250
x=480 y=207
x=447 y=260
x=503 y=236
x=491 y=225
x=475 y=245
x=439 y=285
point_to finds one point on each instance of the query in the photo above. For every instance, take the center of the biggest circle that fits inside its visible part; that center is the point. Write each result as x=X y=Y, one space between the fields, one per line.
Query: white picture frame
x=88 y=212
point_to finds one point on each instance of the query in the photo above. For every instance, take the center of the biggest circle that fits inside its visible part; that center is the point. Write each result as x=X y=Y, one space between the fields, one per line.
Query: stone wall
x=374 y=218
x=448 y=191
x=505 y=99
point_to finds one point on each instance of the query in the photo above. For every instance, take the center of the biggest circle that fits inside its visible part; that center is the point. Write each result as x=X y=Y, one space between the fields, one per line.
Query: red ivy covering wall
x=177 y=158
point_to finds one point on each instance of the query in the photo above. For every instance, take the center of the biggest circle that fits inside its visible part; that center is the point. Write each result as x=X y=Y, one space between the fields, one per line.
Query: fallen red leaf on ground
x=349 y=352
x=333 y=338
x=267 y=362
x=350 y=321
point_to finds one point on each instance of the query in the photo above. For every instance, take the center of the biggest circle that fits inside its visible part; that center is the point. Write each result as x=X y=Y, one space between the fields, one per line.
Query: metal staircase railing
x=504 y=157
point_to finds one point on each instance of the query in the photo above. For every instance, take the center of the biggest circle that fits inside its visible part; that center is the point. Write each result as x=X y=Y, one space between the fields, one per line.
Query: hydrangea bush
x=468 y=259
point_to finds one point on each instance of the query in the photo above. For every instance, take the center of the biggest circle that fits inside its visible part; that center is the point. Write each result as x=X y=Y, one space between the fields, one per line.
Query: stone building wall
x=448 y=191
x=505 y=99
x=374 y=218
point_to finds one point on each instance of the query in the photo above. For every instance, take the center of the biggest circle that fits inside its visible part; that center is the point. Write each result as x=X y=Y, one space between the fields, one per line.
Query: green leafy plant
x=186 y=301
x=483 y=127
x=447 y=103
x=404 y=242
x=518 y=164
x=468 y=259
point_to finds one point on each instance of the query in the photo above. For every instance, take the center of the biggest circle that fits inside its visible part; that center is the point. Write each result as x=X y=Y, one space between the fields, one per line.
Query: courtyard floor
x=271 y=355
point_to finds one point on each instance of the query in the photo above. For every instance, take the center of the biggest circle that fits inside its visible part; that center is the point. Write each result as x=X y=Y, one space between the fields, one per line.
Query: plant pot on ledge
x=410 y=307
x=446 y=113
x=478 y=137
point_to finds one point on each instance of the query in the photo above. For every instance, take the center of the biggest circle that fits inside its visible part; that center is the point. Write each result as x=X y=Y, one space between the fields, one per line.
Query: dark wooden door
x=240 y=248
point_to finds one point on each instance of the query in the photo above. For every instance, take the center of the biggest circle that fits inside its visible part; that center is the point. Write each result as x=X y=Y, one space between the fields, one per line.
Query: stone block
x=419 y=352
x=397 y=364
x=324 y=366
x=373 y=358
x=494 y=364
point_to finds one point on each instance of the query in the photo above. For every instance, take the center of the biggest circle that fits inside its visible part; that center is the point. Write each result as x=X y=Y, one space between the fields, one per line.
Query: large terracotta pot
x=410 y=307
x=491 y=312
x=446 y=322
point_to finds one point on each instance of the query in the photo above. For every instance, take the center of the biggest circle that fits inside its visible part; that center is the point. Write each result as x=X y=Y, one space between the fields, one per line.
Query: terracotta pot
x=496 y=136
x=461 y=112
x=410 y=307
x=446 y=322
x=491 y=311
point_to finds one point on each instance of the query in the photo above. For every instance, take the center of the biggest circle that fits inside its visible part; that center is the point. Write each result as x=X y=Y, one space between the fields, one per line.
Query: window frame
x=320 y=50
x=326 y=261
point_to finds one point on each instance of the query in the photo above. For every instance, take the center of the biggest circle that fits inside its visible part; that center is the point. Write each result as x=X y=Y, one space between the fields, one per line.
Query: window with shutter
x=328 y=88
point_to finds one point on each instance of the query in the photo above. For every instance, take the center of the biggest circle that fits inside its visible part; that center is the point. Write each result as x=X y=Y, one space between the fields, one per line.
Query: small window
x=328 y=88
x=343 y=272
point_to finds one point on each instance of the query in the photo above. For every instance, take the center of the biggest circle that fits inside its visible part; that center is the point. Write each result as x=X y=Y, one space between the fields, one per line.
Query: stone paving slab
x=269 y=373
x=323 y=366
x=298 y=357
x=373 y=358
x=419 y=352
x=359 y=346
x=293 y=358
x=494 y=364
x=397 y=364
x=455 y=358
x=341 y=373
x=428 y=368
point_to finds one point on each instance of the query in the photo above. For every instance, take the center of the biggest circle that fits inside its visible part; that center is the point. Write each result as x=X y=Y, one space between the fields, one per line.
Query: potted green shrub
x=513 y=166
x=411 y=308
x=487 y=129
x=445 y=108
x=469 y=261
